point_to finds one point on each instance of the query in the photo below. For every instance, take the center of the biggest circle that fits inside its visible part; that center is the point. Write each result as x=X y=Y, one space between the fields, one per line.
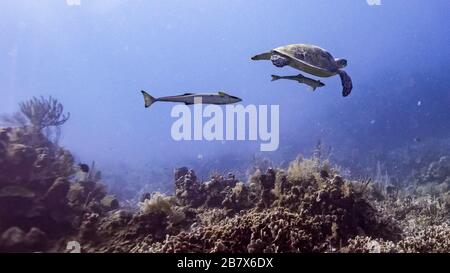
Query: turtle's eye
x=342 y=62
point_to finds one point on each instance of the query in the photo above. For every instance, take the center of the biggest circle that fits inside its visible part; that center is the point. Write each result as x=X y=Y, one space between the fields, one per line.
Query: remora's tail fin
x=275 y=77
x=149 y=100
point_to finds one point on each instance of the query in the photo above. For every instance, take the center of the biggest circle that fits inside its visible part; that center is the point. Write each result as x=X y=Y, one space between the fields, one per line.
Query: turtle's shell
x=309 y=58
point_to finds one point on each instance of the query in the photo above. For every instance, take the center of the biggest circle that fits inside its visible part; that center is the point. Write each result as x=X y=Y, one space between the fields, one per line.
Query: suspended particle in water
x=419 y=103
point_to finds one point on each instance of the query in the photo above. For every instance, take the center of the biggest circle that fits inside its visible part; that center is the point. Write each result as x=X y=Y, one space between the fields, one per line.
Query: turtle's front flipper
x=347 y=84
x=262 y=56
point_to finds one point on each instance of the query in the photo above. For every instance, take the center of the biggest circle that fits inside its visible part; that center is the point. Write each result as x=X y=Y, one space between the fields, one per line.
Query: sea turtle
x=310 y=59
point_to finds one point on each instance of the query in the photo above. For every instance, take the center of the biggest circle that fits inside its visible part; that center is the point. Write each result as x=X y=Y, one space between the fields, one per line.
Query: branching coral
x=163 y=204
x=40 y=114
x=157 y=203
x=44 y=112
x=302 y=169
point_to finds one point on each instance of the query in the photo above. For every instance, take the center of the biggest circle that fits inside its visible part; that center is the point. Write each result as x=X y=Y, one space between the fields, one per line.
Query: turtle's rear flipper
x=347 y=84
x=262 y=56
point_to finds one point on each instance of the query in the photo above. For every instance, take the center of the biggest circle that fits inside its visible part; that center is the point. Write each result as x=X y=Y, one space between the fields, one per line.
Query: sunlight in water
x=187 y=126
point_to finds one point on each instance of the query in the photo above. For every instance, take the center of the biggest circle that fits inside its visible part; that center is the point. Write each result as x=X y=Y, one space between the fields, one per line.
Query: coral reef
x=39 y=201
x=422 y=210
x=411 y=163
x=306 y=208
x=42 y=112
x=432 y=239
x=39 y=115
x=46 y=201
x=190 y=192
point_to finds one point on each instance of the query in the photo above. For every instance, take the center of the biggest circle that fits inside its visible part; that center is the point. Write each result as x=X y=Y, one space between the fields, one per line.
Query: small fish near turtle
x=310 y=59
x=313 y=84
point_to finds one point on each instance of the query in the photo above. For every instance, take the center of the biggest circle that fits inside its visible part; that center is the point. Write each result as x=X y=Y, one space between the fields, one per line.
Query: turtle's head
x=341 y=62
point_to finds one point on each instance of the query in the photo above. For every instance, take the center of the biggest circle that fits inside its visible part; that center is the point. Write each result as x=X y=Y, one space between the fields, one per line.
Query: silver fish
x=191 y=98
x=301 y=79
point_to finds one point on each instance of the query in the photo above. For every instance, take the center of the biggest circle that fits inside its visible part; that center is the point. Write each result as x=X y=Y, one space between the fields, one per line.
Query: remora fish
x=301 y=79
x=191 y=98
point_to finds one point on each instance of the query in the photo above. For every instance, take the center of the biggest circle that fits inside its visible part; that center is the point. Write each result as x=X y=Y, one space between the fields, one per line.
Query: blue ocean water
x=95 y=58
